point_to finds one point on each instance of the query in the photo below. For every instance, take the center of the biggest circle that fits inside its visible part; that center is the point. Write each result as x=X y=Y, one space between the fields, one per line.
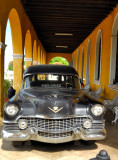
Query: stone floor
x=66 y=151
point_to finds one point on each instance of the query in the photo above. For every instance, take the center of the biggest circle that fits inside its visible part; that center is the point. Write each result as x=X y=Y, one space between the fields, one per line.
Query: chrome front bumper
x=30 y=134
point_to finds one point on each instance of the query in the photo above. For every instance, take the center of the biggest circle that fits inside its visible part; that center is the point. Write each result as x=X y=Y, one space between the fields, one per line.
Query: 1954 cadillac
x=51 y=107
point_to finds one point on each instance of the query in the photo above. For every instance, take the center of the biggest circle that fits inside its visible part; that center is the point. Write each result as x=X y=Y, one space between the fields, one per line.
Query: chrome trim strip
x=46 y=117
x=27 y=135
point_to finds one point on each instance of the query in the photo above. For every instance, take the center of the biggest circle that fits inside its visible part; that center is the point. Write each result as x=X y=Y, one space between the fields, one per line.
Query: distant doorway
x=59 y=61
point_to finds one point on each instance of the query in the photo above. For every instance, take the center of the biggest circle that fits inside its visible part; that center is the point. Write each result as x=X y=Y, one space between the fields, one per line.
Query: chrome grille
x=55 y=125
x=11 y=127
x=98 y=126
x=53 y=128
x=55 y=135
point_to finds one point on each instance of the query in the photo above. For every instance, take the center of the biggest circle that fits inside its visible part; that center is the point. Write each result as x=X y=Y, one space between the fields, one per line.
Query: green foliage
x=7 y=85
x=59 y=59
x=10 y=66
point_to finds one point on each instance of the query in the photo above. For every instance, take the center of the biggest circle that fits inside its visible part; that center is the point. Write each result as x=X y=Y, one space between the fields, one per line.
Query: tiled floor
x=66 y=151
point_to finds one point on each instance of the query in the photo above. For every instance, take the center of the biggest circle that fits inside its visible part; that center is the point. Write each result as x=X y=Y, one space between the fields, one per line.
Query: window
x=88 y=63
x=113 y=80
x=116 y=70
x=99 y=60
x=82 y=64
x=75 y=60
x=51 y=81
x=98 y=56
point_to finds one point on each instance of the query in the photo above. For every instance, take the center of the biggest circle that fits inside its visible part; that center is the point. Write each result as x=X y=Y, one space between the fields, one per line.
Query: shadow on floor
x=46 y=147
x=112 y=131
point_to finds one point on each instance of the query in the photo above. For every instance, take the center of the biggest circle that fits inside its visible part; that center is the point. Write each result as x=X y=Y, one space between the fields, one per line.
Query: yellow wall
x=106 y=28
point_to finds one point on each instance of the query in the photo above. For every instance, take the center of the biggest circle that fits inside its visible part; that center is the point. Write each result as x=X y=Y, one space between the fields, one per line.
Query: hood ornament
x=55 y=109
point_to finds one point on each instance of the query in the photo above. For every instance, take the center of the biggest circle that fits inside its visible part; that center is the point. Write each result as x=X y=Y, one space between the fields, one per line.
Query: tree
x=10 y=66
x=59 y=59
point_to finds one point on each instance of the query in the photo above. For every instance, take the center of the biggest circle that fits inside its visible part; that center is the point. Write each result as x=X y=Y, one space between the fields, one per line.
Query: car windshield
x=51 y=81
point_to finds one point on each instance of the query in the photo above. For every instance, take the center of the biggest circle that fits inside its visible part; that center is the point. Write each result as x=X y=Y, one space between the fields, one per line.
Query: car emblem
x=55 y=109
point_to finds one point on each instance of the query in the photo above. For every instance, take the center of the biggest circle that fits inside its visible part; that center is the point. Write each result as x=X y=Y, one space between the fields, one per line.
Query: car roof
x=48 y=68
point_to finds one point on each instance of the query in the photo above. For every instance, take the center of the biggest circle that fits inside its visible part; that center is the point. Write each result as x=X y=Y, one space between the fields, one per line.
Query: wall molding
x=17 y=56
x=28 y=59
x=35 y=62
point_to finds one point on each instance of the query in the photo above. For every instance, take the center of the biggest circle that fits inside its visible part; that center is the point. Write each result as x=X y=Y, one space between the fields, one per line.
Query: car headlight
x=11 y=110
x=97 y=109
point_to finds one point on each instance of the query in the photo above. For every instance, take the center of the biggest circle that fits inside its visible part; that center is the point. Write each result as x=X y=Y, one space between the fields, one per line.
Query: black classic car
x=51 y=107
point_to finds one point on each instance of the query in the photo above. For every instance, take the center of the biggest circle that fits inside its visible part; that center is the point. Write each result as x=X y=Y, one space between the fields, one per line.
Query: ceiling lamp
x=63 y=34
x=62 y=46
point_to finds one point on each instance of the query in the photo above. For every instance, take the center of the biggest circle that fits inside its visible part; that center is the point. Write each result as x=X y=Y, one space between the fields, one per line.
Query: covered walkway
x=85 y=33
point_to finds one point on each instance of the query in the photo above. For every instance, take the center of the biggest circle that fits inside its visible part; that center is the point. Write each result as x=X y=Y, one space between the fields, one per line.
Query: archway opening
x=59 y=61
x=82 y=65
x=8 y=65
x=17 y=48
x=88 y=62
x=98 y=56
x=116 y=68
x=114 y=54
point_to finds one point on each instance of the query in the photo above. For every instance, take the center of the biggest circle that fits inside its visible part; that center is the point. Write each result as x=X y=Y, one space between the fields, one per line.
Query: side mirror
x=11 y=92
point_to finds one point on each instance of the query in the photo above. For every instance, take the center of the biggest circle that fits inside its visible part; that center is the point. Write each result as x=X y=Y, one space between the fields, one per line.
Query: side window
x=113 y=78
x=88 y=62
x=98 y=56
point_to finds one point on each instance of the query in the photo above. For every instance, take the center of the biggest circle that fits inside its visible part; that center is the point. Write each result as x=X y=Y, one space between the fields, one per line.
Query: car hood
x=52 y=103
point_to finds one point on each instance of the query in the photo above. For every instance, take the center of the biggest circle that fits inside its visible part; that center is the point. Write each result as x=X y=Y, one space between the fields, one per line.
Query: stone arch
x=17 y=47
x=88 y=61
x=57 y=60
x=67 y=56
x=16 y=31
x=35 y=52
x=98 y=55
x=113 y=50
x=8 y=58
x=28 y=49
